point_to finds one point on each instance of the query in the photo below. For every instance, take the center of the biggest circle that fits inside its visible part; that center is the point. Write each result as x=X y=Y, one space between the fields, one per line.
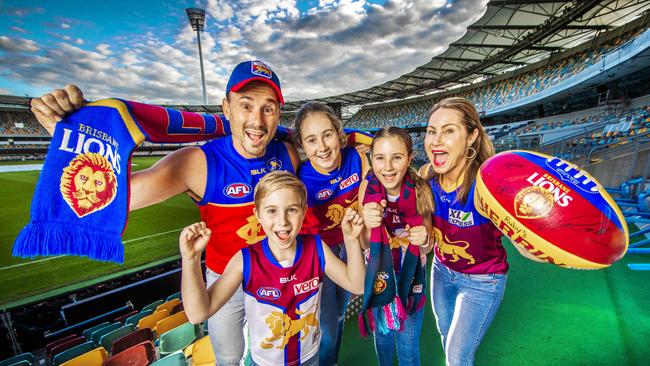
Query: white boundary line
x=59 y=256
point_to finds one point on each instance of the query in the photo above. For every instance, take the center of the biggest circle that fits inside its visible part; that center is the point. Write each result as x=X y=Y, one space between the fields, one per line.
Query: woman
x=469 y=268
x=332 y=174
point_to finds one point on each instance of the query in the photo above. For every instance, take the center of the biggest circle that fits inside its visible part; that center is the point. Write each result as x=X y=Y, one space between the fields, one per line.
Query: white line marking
x=59 y=256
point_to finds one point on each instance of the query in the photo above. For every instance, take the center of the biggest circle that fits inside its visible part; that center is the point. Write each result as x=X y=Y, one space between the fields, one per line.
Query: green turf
x=36 y=277
x=549 y=316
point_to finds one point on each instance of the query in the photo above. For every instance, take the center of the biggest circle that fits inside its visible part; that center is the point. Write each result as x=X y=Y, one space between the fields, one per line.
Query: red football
x=551 y=208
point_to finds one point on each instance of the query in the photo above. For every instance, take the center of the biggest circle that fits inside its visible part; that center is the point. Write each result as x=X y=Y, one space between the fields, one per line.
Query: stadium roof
x=511 y=34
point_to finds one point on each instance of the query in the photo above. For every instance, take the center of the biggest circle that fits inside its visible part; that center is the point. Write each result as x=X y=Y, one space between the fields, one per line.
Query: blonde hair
x=483 y=144
x=312 y=108
x=276 y=180
x=423 y=193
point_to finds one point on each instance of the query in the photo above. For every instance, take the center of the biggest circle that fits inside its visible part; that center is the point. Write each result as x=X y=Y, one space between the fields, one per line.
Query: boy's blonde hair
x=277 y=180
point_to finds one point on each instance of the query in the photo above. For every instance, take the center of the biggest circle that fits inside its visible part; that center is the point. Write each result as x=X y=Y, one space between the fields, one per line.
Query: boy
x=281 y=275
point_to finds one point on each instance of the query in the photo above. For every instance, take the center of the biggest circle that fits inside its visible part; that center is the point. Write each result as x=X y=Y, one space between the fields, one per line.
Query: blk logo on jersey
x=324 y=194
x=293 y=277
x=237 y=190
x=306 y=286
x=269 y=293
x=461 y=218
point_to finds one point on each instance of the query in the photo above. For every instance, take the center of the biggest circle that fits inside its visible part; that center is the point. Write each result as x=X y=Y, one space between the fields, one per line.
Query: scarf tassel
x=53 y=239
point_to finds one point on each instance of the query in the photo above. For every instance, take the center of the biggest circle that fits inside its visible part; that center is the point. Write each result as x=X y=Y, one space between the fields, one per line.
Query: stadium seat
x=201 y=352
x=122 y=318
x=96 y=357
x=73 y=352
x=169 y=323
x=152 y=306
x=49 y=346
x=150 y=321
x=88 y=332
x=97 y=335
x=175 y=359
x=131 y=339
x=19 y=359
x=178 y=308
x=67 y=345
x=107 y=339
x=169 y=305
x=141 y=354
x=177 y=338
x=174 y=296
x=134 y=319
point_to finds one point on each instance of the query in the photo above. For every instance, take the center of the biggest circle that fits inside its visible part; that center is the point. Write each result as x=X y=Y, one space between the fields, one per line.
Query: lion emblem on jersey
x=447 y=247
x=283 y=327
x=533 y=202
x=88 y=184
x=335 y=212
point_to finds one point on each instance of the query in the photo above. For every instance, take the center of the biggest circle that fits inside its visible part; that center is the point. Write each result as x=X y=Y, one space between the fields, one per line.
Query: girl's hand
x=193 y=240
x=418 y=235
x=352 y=224
x=373 y=213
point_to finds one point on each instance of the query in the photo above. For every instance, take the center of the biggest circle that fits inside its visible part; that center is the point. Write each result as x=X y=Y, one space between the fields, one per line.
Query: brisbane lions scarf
x=81 y=200
x=389 y=284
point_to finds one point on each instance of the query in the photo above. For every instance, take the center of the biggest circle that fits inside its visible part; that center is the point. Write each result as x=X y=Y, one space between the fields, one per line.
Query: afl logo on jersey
x=237 y=190
x=269 y=293
x=274 y=164
x=324 y=194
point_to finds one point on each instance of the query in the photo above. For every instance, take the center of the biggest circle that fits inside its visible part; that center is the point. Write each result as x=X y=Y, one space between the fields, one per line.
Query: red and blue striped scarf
x=389 y=289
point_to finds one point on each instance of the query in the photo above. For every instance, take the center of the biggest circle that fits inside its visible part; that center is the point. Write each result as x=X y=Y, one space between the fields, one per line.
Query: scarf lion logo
x=448 y=247
x=283 y=327
x=533 y=202
x=88 y=184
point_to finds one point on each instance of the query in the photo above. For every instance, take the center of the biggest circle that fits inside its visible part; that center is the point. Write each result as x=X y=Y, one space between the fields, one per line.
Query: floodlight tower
x=197 y=21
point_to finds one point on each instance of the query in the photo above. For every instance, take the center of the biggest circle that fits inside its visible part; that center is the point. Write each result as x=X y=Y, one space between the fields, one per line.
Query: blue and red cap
x=248 y=71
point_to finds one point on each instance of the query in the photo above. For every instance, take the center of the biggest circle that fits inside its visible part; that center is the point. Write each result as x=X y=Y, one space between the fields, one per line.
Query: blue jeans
x=226 y=327
x=334 y=301
x=464 y=306
x=407 y=342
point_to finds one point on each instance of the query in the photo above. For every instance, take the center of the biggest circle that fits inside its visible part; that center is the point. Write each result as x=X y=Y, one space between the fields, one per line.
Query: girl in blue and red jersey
x=470 y=266
x=332 y=175
x=281 y=275
x=397 y=209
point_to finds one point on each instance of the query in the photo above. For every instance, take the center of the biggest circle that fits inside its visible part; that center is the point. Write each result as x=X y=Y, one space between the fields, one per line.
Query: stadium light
x=197 y=21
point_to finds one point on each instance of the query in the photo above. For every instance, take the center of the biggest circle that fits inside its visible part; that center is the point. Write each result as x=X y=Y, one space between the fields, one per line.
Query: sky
x=145 y=50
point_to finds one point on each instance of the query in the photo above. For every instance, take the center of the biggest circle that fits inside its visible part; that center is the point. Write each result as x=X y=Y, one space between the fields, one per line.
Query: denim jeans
x=464 y=306
x=226 y=327
x=310 y=362
x=406 y=341
x=334 y=301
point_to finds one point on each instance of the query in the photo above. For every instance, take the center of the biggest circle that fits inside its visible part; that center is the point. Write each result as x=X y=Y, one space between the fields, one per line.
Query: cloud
x=17 y=44
x=65 y=26
x=4 y=91
x=17 y=29
x=339 y=46
x=22 y=12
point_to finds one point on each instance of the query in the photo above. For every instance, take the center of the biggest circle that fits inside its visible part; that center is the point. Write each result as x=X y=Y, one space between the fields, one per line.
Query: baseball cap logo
x=261 y=69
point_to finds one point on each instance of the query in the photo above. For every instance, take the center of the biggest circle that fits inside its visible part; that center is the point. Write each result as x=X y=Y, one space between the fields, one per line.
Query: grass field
x=151 y=235
x=549 y=316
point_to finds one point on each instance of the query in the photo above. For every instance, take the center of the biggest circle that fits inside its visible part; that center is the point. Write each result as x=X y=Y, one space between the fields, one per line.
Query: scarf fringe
x=383 y=319
x=50 y=239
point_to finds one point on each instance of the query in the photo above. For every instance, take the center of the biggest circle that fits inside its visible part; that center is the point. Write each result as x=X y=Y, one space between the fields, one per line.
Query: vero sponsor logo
x=306 y=286
x=237 y=190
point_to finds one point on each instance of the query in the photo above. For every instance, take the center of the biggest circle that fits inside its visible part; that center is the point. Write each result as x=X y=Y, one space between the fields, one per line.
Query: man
x=220 y=176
